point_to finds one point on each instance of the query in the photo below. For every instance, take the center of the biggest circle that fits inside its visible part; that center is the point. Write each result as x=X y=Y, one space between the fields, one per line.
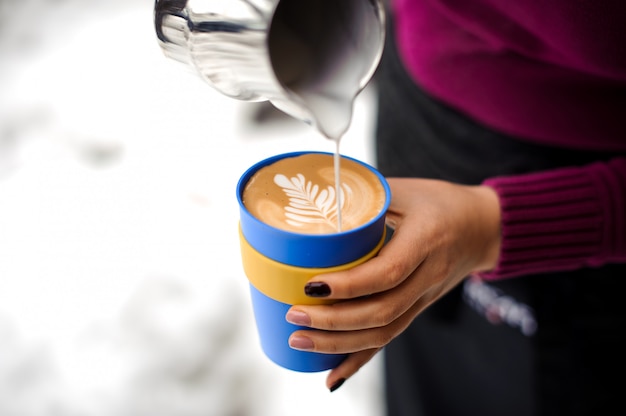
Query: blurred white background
x=121 y=290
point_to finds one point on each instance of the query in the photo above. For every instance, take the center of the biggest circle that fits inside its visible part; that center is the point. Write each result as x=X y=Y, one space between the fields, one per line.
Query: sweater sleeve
x=561 y=220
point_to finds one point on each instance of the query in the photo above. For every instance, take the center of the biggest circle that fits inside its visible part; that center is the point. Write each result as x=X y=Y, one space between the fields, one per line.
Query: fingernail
x=337 y=384
x=298 y=318
x=317 y=289
x=301 y=343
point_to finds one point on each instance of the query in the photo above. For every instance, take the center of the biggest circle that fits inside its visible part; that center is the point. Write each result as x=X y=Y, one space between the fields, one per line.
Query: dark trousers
x=458 y=358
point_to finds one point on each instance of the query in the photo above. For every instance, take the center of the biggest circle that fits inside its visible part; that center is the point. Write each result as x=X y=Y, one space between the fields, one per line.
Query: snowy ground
x=121 y=290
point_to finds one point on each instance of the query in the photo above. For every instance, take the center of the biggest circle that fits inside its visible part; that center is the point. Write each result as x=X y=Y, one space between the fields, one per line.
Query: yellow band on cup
x=285 y=283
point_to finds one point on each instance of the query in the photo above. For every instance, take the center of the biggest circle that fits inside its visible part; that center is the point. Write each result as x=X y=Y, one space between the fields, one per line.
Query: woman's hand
x=443 y=232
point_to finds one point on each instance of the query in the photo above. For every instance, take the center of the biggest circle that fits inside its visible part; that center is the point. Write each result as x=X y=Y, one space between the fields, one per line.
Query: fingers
x=368 y=312
x=328 y=342
x=390 y=268
x=350 y=341
x=348 y=368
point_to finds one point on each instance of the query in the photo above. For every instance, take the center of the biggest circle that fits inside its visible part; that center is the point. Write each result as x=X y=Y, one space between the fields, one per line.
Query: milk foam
x=298 y=194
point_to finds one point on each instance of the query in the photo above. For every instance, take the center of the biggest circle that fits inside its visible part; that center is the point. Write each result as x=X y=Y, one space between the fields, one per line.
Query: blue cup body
x=274 y=332
x=307 y=251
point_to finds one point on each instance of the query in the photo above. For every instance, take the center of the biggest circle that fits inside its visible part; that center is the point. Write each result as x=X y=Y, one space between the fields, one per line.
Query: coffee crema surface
x=298 y=194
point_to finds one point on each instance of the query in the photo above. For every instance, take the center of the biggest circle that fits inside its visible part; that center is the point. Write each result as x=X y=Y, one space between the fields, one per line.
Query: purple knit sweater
x=548 y=72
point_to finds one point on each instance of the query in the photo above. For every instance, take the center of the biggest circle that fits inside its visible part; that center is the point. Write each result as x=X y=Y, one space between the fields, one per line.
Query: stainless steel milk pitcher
x=310 y=58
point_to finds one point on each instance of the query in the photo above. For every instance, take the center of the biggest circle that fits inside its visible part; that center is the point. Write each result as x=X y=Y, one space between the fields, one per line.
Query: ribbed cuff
x=551 y=221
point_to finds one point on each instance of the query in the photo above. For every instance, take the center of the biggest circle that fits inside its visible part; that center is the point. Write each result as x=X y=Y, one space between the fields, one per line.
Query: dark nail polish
x=317 y=290
x=337 y=384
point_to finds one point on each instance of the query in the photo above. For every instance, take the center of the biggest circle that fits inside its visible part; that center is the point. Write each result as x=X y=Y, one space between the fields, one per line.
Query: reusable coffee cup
x=279 y=259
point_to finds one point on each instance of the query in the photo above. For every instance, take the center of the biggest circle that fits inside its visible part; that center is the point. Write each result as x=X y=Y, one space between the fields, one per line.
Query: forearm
x=561 y=220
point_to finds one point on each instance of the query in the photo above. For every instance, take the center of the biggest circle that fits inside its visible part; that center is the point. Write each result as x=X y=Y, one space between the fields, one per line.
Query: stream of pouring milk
x=337 y=162
x=332 y=111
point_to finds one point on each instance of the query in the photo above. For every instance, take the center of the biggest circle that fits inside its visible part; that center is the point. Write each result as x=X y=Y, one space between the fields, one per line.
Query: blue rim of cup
x=310 y=250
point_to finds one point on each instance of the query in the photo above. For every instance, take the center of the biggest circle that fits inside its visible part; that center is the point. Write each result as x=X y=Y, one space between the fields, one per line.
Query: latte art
x=309 y=203
x=298 y=194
